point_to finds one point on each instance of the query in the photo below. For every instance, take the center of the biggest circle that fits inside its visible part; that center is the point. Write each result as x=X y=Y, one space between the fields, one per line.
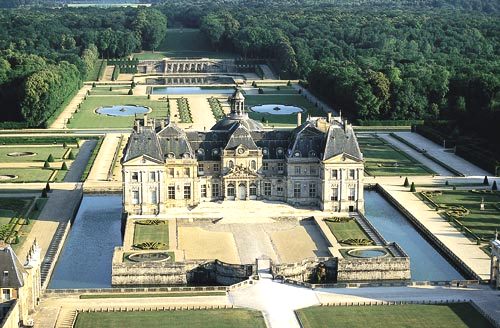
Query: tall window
x=154 y=199
x=253 y=165
x=253 y=190
x=297 y=170
x=267 y=188
x=335 y=174
x=230 y=190
x=186 y=171
x=313 y=170
x=335 y=193
x=215 y=190
x=187 y=192
x=135 y=176
x=216 y=167
x=312 y=190
x=204 y=190
x=201 y=168
x=279 y=190
x=265 y=166
x=281 y=167
x=352 y=193
x=135 y=197
x=171 y=172
x=296 y=189
x=152 y=176
x=230 y=164
x=171 y=192
x=352 y=174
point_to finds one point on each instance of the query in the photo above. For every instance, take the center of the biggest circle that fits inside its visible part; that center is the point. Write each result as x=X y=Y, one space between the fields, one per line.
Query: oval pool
x=275 y=109
x=122 y=110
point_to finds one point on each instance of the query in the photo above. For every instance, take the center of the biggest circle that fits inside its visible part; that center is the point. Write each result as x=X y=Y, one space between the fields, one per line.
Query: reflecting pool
x=85 y=260
x=122 y=110
x=189 y=90
x=427 y=264
x=275 y=109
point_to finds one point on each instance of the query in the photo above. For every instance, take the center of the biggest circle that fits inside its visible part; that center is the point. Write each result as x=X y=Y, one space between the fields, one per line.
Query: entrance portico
x=241 y=183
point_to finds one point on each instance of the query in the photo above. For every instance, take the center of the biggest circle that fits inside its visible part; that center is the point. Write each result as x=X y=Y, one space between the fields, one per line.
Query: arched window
x=230 y=164
x=253 y=189
x=230 y=190
x=253 y=165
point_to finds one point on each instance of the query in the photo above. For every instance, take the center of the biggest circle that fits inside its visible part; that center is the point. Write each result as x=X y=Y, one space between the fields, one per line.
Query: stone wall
x=374 y=269
x=306 y=270
x=179 y=273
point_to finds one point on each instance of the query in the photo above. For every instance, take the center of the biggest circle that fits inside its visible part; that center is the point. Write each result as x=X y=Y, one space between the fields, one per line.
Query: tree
x=130 y=92
x=44 y=193
x=50 y=159
x=64 y=167
x=494 y=186
x=406 y=183
x=46 y=165
x=412 y=187
x=485 y=181
x=47 y=187
x=71 y=155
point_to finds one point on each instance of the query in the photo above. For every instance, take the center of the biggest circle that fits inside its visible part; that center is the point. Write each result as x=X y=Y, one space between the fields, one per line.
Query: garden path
x=60 y=122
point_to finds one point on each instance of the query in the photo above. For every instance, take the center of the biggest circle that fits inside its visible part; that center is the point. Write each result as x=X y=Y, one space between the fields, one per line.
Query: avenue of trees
x=45 y=54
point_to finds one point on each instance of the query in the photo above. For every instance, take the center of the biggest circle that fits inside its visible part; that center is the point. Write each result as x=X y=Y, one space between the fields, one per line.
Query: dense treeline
x=369 y=61
x=45 y=54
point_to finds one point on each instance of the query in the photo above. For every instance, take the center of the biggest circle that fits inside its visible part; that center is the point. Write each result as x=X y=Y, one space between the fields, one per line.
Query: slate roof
x=11 y=270
x=314 y=140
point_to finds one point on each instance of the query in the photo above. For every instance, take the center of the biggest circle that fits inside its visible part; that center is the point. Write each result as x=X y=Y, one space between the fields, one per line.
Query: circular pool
x=122 y=110
x=149 y=257
x=21 y=154
x=274 y=109
x=8 y=177
x=367 y=253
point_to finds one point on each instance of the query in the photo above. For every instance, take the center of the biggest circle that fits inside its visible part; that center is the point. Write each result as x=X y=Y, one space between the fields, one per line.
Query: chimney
x=345 y=125
x=329 y=119
x=137 y=123
x=145 y=119
x=299 y=118
x=162 y=124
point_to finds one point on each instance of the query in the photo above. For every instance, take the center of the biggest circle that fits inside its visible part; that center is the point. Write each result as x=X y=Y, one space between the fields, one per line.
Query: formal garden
x=16 y=218
x=86 y=116
x=463 y=208
x=384 y=159
x=457 y=315
x=150 y=234
x=347 y=231
x=220 y=318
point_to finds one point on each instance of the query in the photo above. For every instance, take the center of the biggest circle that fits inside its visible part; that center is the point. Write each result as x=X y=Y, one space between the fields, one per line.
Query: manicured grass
x=346 y=230
x=194 y=319
x=413 y=315
x=87 y=118
x=184 y=43
x=282 y=99
x=172 y=294
x=33 y=215
x=144 y=233
x=383 y=159
x=103 y=90
x=482 y=223
x=27 y=175
x=93 y=75
x=42 y=153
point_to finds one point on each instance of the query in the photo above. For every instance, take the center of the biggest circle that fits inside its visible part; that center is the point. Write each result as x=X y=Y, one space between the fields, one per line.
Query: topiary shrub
x=65 y=145
x=71 y=155
x=406 y=183
x=289 y=83
x=485 y=181
x=110 y=88
x=93 y=84
x=50 y=159
x=494 y=186
x=261 y=91
x=412 y=187
x=278 y=88
x=64 y=167
x=47 y=187
x=44 y=193
x=130 y=92
x=132 y=85
x=149 y=96
x=46 y=165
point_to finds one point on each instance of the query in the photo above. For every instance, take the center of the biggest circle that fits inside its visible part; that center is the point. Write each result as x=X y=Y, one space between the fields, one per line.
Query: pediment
x=143 y=160
x=239 y=171
x=342 y=158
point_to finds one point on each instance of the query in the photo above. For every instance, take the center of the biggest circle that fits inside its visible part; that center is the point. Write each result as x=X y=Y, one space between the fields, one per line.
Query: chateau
x=318 y=163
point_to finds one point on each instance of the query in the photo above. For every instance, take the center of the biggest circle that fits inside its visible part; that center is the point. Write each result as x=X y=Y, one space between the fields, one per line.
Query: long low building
x=318 y=163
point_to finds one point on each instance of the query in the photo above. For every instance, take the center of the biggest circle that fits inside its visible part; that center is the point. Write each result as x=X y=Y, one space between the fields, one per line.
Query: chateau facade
x=318 y=163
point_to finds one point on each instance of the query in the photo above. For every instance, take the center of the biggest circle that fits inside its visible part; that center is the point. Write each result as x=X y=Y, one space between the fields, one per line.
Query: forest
x=45 y=54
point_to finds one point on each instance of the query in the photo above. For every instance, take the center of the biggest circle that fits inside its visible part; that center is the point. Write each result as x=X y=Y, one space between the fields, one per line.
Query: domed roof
x=238 y=95
x=229 y=122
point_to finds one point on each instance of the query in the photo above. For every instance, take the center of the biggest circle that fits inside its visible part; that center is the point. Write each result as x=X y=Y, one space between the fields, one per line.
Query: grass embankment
x=346 y=230
x=457 y=315
x=383 y=159
x=194 y=319
x=147 y=233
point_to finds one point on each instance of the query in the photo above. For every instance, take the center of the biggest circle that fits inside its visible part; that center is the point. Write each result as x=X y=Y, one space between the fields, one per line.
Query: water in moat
x=426 y=263
x=85 y=260
x=190 y=90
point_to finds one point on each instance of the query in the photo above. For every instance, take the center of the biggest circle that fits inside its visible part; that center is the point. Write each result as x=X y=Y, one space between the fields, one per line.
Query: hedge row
x=480 y=157
x=123 y=61
x=184 y=111
x=216 y=108
x=102 y=69
x=435 y=135
x=116 y=72
x=39 y=140
x=388 y=122
x=13 y=125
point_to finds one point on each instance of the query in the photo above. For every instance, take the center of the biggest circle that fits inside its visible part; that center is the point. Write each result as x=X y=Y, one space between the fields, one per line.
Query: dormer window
x=312 y=153
x=296 y=154
x=5 y=274
x=265 y=151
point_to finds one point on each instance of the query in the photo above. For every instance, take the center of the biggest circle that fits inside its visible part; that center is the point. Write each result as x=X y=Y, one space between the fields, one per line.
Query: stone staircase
x=52 y=251
x=368 y=228
x=66 y=318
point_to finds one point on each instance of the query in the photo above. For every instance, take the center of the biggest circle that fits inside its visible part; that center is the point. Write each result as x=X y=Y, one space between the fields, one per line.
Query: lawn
x=346 y=230
x=87 y=118
x=412 y=315
x=27 y=175
x=42 y=153
x=116 y=90
x=184 y=43
x=33 y=215
x=482 y=223
x=144 y=233
x=282 y=99
x=194 y=319
x=383 y=159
